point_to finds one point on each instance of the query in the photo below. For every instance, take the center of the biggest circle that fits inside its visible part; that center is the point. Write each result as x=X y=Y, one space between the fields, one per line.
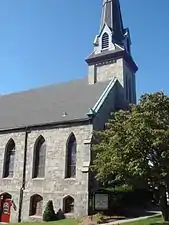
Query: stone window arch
x=71 y=157
x=9 y=159
x=39 y=158
x=68 y=204
x=36 y=205
x=105 y=40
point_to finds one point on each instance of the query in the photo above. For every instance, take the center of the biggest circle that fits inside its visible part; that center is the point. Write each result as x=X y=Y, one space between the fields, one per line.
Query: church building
x=46 y=133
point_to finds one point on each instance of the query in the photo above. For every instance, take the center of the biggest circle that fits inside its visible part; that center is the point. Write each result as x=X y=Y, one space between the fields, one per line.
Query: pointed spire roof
x=111 y=15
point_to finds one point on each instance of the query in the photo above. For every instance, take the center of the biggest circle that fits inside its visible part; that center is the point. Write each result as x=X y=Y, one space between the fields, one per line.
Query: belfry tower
x=112 y=55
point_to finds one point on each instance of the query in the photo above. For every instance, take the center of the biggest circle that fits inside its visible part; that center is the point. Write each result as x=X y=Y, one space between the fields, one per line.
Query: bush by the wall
x=60 y=215
x=121 y=200
x=49 y=213
x=124 y=197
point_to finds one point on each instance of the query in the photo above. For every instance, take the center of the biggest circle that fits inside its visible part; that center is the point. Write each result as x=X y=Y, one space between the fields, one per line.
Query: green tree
x=135 y=143
x=49 y=213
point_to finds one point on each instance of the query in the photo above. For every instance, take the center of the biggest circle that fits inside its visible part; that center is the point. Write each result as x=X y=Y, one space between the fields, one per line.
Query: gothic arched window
x=127 y=89
x=68 y=204
x=9 y=159
x=105 y=40
x=71 y=157
x=36 y=205
x=130 y=90
x=39 y=158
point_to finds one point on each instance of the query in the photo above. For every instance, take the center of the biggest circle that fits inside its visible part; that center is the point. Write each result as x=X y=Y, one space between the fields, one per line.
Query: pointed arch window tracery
x=36 y=205
x=71 y=157
x=9 y=159
x=39 y=158
x=68 y=204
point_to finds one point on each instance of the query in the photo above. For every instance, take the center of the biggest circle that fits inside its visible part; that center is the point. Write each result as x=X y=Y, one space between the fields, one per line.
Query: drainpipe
x=24 y=176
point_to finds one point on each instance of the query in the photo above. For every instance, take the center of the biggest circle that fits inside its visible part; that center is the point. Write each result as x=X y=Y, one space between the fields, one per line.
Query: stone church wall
x=13 y=185
x=130 y=75
x=54 y=186
x=105 y=71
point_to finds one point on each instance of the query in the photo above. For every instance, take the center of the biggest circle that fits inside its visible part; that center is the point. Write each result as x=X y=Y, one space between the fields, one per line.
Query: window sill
x=35 y=217
x=7 y=178
x=70 y=178
x=69 y=215
x=104 y=49
x=38 y=178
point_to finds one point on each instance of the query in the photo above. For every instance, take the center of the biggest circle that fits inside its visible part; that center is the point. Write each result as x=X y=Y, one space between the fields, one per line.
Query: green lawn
x=60 y=222
x=152 y=221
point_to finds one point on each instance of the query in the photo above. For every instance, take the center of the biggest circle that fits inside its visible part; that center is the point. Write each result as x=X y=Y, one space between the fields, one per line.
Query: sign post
x=101 y=201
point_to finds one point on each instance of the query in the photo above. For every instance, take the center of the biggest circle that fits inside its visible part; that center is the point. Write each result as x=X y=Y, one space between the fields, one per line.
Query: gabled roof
x=49 y=104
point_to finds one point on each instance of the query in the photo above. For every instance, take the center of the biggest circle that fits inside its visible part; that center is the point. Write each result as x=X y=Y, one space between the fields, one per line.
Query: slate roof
x=47 y=104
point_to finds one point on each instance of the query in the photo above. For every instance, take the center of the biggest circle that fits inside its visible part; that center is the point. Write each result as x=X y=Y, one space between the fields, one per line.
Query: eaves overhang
x=98 y=58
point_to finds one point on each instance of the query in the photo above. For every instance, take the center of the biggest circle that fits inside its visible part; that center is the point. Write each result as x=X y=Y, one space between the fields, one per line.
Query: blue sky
x=46 y=41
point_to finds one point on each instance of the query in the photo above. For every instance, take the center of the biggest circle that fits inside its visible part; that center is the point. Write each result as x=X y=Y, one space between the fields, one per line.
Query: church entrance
x=5 y=207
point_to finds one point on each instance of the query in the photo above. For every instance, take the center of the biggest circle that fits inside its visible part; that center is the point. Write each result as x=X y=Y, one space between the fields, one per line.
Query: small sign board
x=101 y=201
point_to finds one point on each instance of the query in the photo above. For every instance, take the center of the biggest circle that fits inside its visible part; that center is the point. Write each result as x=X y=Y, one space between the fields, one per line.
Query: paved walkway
x=156 y=213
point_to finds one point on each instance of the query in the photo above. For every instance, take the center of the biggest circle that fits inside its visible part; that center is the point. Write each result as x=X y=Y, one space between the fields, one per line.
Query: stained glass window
x=71 y=157
x=9 y=159
x=39 y=158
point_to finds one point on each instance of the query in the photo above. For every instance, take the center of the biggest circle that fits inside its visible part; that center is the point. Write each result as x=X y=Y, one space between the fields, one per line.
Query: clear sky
x=46 y=41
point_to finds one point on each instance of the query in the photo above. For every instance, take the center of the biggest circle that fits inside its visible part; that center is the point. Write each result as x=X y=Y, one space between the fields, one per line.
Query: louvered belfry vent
x=105 y=41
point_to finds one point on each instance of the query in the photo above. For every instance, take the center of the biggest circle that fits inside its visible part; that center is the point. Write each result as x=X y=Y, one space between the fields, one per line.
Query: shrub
x=124 y=197
x=120 y=200
x=98 y=218
x=60 y=215
x=49 y=213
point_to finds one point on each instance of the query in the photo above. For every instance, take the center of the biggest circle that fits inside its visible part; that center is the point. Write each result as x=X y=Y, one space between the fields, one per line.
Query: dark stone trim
x=112 y=55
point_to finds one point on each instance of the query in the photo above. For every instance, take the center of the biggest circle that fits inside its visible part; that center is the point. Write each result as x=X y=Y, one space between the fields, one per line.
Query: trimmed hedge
x=124 y=197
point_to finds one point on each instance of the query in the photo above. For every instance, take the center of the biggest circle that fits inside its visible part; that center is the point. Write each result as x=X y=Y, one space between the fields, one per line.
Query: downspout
x=23 y=178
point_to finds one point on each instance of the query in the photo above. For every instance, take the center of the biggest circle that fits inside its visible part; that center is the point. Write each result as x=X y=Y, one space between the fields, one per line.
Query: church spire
x=111 y=58
x=111 y=16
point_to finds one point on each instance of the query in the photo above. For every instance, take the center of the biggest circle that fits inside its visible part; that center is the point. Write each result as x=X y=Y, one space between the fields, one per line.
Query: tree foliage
x=135 y=143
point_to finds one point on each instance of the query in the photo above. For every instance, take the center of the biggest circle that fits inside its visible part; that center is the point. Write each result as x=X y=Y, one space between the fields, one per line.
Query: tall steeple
x=112 y=56
x=111 y=16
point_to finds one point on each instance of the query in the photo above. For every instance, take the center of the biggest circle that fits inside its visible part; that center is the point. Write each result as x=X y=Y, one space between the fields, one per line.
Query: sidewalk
x=157 y=213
